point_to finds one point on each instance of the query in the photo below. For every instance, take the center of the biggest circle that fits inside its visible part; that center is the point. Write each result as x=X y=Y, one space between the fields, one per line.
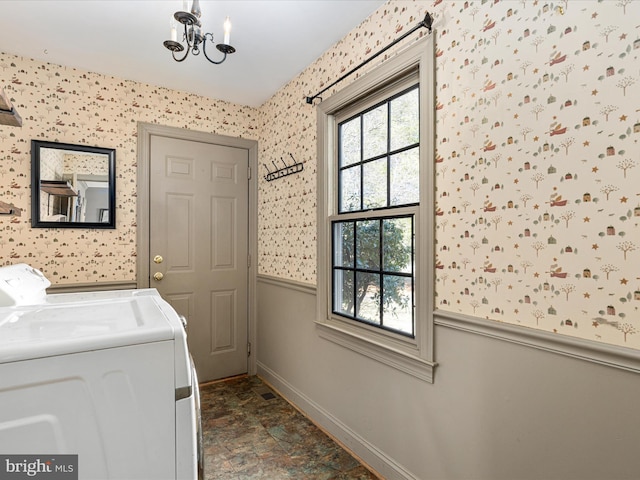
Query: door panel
x=179 y=221
x=223 y=308
x=223 y=241
x=199 y=226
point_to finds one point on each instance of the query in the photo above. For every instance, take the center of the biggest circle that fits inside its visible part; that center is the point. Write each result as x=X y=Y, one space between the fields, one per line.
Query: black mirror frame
x=36 y=145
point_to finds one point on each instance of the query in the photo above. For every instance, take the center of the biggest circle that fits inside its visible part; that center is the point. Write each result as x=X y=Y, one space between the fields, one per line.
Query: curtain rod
x=427 y=22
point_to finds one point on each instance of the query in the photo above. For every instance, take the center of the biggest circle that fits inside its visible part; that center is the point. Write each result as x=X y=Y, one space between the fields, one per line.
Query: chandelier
x=193 y=36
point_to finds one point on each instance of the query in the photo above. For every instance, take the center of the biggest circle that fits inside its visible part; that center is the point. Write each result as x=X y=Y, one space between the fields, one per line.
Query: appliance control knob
x=158 y=276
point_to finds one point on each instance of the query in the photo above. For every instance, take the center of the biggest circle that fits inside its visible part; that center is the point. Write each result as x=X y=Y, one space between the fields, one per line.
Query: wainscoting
x=499 y=408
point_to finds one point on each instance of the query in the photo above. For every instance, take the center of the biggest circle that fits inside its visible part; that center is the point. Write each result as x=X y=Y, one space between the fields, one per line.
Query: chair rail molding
x=601 y=353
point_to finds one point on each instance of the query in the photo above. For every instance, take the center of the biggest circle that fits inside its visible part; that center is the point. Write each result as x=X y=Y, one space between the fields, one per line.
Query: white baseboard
x=366 y=452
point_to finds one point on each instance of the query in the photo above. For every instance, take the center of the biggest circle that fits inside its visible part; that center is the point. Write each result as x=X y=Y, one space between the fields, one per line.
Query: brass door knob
x=158 y=276
x=158 y=259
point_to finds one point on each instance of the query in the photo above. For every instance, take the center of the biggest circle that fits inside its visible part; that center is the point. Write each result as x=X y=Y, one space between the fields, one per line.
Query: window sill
x=386 y=354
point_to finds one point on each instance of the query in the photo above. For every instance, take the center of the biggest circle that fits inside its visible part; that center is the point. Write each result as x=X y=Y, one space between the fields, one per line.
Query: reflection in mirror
x=72 y=185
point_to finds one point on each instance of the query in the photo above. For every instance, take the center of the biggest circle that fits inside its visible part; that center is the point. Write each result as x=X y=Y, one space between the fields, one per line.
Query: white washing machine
x=106 y=376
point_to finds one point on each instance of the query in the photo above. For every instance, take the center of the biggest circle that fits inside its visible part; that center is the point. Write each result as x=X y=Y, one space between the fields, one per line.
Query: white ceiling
x=274 y=40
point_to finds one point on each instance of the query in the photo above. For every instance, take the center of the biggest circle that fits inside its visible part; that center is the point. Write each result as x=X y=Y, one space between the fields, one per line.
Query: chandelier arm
x=186 y=54
x=190 y=45
x=204 y=50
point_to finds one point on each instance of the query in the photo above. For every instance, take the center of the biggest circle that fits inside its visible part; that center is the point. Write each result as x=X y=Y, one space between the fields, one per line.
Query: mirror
x=72 y=186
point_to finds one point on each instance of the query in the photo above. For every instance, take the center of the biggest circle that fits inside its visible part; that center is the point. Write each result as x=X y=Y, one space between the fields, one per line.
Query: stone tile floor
x=250 y=432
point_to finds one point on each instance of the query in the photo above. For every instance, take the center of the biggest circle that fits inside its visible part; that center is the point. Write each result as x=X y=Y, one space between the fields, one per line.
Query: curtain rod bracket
x=427 y=23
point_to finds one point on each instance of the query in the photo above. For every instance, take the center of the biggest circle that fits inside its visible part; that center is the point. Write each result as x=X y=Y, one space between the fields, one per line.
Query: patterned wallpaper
x=287 y=224
x=71 y=106
x=85 y=164
x=51 y=164
x=51 y=168
x=538 y=163
x=537 y=171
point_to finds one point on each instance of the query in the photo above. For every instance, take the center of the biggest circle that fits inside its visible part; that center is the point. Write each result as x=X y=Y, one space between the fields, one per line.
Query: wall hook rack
x=280 y=172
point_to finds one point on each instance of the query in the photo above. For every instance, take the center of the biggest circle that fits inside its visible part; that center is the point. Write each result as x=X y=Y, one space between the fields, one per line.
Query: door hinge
x=248 y=349
x=249 y=173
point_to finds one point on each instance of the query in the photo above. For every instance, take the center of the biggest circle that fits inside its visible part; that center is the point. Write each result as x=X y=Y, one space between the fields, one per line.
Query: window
x=373 y=256
x=378 y=155
x=375 y=213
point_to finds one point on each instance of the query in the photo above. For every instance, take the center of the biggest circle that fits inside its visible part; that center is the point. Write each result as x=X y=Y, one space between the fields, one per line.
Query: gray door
x=199 y=247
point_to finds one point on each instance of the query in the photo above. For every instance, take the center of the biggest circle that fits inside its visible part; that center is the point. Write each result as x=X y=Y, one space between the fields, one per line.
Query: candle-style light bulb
x=174 y=31
x=227 y=31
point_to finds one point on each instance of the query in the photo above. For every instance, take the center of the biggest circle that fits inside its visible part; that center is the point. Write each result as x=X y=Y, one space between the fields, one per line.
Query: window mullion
x=381 y=266
x=388 y=154
x=355 y=270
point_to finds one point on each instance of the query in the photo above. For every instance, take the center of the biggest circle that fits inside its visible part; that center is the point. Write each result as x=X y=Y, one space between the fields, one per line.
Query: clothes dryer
x=106 y=376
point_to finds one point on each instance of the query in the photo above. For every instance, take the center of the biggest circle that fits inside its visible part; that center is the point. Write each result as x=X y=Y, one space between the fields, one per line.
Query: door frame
x=145 y=131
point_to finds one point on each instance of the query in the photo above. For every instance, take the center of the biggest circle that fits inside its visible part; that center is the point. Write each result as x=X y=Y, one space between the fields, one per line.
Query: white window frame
x=410 y=355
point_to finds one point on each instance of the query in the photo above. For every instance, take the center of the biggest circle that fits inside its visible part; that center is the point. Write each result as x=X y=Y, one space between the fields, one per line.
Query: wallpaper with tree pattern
x=537 y=174
x=538 y=169
x=62 y=104
x=538 y=163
